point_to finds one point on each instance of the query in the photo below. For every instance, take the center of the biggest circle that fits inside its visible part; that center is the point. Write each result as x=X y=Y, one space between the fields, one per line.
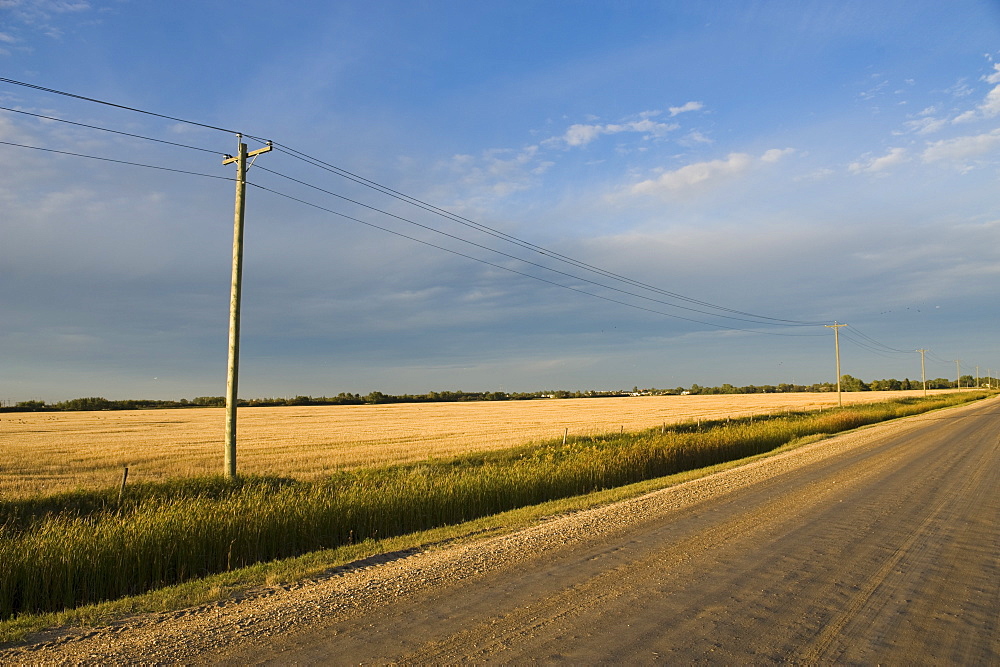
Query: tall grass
x=65 y=550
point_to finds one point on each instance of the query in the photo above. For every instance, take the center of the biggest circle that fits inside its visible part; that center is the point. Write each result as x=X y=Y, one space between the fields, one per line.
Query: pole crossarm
x=229 y=159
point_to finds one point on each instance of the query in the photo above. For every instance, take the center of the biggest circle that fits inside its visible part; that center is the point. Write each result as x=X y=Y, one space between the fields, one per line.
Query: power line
x=865 y=346
x=105 y=129
x=888 y=348
x=112 y=104
x=438 y=211
x=514 y=257
x=517 y=241
x=510 y=270
x=125 y=162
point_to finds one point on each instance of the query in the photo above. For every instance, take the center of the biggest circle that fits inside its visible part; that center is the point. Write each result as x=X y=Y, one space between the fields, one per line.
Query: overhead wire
x=125 y=162
x=106 y=129
x=868 y=342
x=852 y=331
x=513 y=239
x=511 y=270
x=862 y=344
x=415 y=202
x=514 y=257
x=117 y=106
x=410 y=200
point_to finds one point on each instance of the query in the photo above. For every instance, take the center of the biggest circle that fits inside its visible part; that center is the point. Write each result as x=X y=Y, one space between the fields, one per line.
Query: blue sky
x=802 y=161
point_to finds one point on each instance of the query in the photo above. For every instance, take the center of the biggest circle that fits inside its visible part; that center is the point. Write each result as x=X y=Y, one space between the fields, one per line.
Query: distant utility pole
x=232 y=378
x=923 y=373
x=958 y=373
x=836 y=345
x=977 y=377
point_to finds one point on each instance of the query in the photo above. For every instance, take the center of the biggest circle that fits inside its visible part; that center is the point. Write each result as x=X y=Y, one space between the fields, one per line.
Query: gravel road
x=879 y=546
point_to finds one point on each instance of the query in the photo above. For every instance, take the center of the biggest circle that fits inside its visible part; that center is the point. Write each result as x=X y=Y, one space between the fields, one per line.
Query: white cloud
x=581 y=135
x=964 y=117
x=700 y=174
x=877 y=165
x=498 y=172
x=993 y=78
x=695 y=137
x=687 y=106
x=990 y=106
x=962 y=148
x=693 y=174
x=927 y=125
x=775 y=154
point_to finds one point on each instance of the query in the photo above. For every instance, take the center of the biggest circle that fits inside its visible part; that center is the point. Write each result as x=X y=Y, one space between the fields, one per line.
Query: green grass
x=62 y=551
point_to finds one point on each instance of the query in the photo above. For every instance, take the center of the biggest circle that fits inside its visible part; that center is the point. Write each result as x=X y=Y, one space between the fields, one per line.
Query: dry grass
x=50 y=452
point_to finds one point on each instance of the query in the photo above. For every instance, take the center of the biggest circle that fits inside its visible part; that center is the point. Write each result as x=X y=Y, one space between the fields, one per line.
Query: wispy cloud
x=498 y=172
x=961 y=149
x=990 y=106
x=775 y=154
x=581 y=134
x=687 y=106
x=877 y=165
x=699 y=174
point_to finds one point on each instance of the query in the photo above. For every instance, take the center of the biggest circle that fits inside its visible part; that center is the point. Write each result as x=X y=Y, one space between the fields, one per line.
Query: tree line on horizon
x=847 y=382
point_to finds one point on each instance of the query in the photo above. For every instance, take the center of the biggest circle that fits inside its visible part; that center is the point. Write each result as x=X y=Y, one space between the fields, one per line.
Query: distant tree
x=89 y=403
x=851 y=383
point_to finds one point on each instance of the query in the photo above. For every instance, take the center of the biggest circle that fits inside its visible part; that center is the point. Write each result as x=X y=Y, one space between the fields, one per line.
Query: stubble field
x=47 y=452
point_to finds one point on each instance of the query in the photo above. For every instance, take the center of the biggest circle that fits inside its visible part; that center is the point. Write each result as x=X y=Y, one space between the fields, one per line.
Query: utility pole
x=923 y=373
x=958 y=373
x=836 y=345
x=977 y=377
x=232 y=377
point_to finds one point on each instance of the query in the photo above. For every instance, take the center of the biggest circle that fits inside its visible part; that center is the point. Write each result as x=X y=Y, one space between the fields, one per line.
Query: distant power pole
x=923 y=373
x=958 y=373
x=232 y=377
x=836 y=345
x=977 y=377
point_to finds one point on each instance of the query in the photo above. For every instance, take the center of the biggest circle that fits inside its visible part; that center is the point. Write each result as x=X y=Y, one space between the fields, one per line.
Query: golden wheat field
x=42 y=452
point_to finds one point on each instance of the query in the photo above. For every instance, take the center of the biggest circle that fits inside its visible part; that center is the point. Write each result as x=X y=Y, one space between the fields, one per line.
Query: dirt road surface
x=880 y=546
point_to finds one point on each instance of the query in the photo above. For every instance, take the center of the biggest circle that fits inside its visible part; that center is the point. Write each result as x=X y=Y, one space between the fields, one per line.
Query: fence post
x=121 y=491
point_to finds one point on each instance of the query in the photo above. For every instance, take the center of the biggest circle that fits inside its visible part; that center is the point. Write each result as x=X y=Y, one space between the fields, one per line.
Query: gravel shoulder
x=379 y=610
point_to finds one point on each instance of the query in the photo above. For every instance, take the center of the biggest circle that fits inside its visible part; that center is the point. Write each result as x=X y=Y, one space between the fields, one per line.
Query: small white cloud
x=962 y=148
x=817 y=175
x=687 y=106
x=926 y=125
x=964 y=117
x=775 y=154
x=877 y=165
x=581 y=135
x=991 y=105
x=993 y=78
x=695 y=137
x=693 y=174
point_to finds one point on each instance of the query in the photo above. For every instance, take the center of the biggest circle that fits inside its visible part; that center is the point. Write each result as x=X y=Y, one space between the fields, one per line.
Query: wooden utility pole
x=836 y=345
x=232 y=377
x=958 y=373
x=923 y=373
